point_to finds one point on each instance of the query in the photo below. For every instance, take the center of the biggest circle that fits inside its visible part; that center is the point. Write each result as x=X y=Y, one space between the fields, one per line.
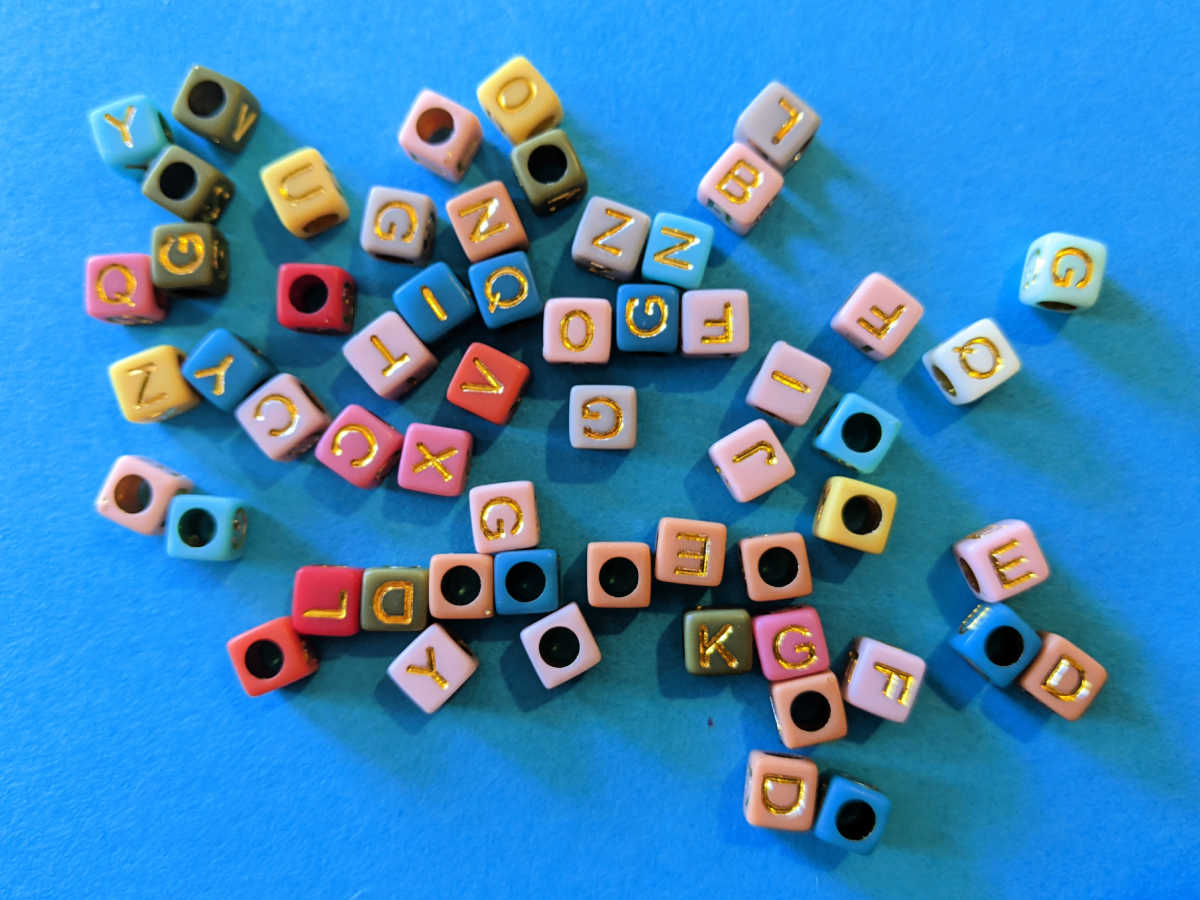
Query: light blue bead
x=145 y=135
x=204 y=527
x=1063 y=272
x=452 y=299
x=524 y=582
x=245 y=369
x=997 y=642
x=496 y=294
x=860 y=443
x=842 y=819
x=683 y=267
x=634 y=304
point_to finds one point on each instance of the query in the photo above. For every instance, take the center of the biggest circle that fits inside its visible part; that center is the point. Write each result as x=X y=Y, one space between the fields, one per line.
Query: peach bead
x=808 y=710
x=1063 y=677
x=781 y=791
x=486 y=222
x=618 y=574
x=878 y=317
x=775 y=566
x=461 y=586
x=690 y=551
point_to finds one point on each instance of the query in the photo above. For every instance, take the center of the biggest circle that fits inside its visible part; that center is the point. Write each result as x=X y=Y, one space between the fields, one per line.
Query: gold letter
x=588 y=413
x=564 y=329
x=493 y=385
x=806 y=646
x=747 y=187
x=801 y=793
x=895 y=679
x=389 y=234
x=717 y=645
x=393 y=362
x=701 y=554
x=146 y=370
x=888 y=319
x=366 y=434
x=118 y=298
x=293 y=416
x=499 y=532
x=788 y=381
x=1002 y=568
x=122 y=124
x=969 y=347
x=1064 y=279
x=403 y=618
x=1053 y=682
x=652 y=303
x=493 y=299
x=726 y=324
x=339 y=613
x=486 y=209
x=217 y=373
x=296 y=198
x=793 y=116
x=429 y=298
x=430 y=669
x=183 y=242
x=435 y=460
x=502 y=95
x=623 y=221
x=686 y=242
x=760 y=447
x=246 y=118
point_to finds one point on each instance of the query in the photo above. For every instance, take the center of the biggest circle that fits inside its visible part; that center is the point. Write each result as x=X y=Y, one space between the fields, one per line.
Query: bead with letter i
x=677 y=251
x=577 y=330
x=395 y=598
x=851 y=814
x=398 y=225
x=808 y=710
x=878 y=317
x=997 y=643
x=717 y=642
x=740 y=188
x=314 y=297
x=282 y=417
x=326 y=600
x=184 y=184
x=519 y=100
x=137 y=493
x=882 y=679
x=603 y=417
x=216 y=107
x=206 y=528
x=549 y=171
x=435 y=460
x=389 y=357
x=488 y=383
x=778 y=124
x=359 y=446
x=973 y=362
x=526 y=582
x=1062 y=677
x=270 y=656
x=788 y=384
x=857 y=433
x=751 y=461
x=855 y=514
x=433 y=302
x=715 y=323
x=775 y=566
x=505 y=290
x=432 y=668
x=1001 y=560
x=486 y=222
x=781 y=791
x=647 y=318
x=618 y=574
x=129 y=133
x=119 y=288
x=461 y=586
x=560 y=646
x=303 y=192
x=224 y=369
x=441 y=135
x=791 y=643
x=504 y=516
x=610 y=239
x=690 y=551
x=149 y=385
x=190 y=259
x=1063 y=272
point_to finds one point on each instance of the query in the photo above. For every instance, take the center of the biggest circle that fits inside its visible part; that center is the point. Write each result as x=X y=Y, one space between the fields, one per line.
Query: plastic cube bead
x=137 y=493
x=878 y=317
x=775 y=566
x=618 y=574
x=432 y=668
x=577 y=330
x=610 y=239
x=325 y=600
x=1001 y=560
x=433 y=302
x=777 y=124
x=997 y=643
x=224 y=369
x=504 y=289
x=305 y=195
x=395 y=599
x=647 y=318
x=560 y=646
x=441 y=135
x=715 y=323
x=808 y=710
x=603 y=417
x=781 y=791
x=119 y=288
x=270 y=656
x=882 y=679
x=316 y=298
x=389 y=357
x=360 y=447
x=740 y=187
x=857 y=434
x=182 y=183
x=282 y=417
x=974 y=362
x=677 y=250
x=690 y=551
x=189 y=258
x=751 y=461
x=855 y=514
x=1063 y=272
x=504 y=517
x=717 y=642
x=435 y=460
x=788 y=384
x=207 y=528
x=217 y=108
x=488 y=383
x=486 y=222
x=129 y=133
x=852 y=815
x=519 y=101
x=461 y=586
x=398 y=225
x=549 y=171
x=1062 y=677
x=791 y=643
x=149 y=385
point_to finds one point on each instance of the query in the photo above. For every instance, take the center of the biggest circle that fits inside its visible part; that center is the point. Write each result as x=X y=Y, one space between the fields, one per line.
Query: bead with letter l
x=778 y=124
x=325 y=600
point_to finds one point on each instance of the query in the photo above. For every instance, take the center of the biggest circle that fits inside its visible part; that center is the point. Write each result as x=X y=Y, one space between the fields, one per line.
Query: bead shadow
x=949 y=676
x=522 y=681
x=399 y=708
x=674 y=680
x=570 y=465
x=924 y=404
x=1021 y=323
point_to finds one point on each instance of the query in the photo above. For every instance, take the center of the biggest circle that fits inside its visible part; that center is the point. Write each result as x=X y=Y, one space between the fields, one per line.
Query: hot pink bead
x=137 y=493
x=282 y=417
x=878 y=316
x=751 y=461
x=432 y=668
x=768 y=560
x=118 y=288
x=436 y=460
x=1001 y=560
x=781 y=791
x=441 y=135
x=740 y=187
x=882 y=679
x=714 y=323
x=791 y=643
x=788 y=384
x=389 y=356
x=577 y=330
x=560 y=646
x=360 y=446
x=504 y=516
x=690 y=551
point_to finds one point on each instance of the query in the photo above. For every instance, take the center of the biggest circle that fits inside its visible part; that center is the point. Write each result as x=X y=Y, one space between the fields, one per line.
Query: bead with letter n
x=677 y=250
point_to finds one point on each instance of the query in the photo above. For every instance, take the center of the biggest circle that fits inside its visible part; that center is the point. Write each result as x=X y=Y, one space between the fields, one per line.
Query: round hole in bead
x=778 y=566
x=461 y=585
x=861 y=514
x=559 y=647
x=855 y=820
x=197 y=527
x=1004 y=646
x=810 y=711
x=206 y=98
x=132 y=494
x=308 y=294
x=320 y=223
x=547 y=163
x=619 y=576
x=972 y=581
x=525 y=582
x=177 y=180
x=435 y=125
x=862 y=432
x=943 y=382
x=264 y=659
x=1056 y=305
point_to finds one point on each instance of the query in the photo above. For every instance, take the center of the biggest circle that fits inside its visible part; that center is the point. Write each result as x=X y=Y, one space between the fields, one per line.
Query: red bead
x=310 y=297
x=488 y=383
x=325 y=600
x=270 y=656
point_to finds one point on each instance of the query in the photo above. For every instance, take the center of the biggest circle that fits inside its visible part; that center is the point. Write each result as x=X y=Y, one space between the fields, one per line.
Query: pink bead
x=882 y=679
x=436 y=460
x=455 y=597
x=118 y=288
x=432 y=668
x=577 y=330
x=486 y=222
x=791 y=643
x=781 y=791
x=137 y=493
x=430 y=118
x=878 y=316
x=751 y=461
x=808 y=710
x=389 y=356
x=282 y=417
x=690 y=551
x=611 y=567
x=767 y=560
x=327 y=600
x=1001 y=560
x=714 y=323
x=360 y=446
x=740 y=187
x=560 y=646
x=788 y=384
x=504 y=516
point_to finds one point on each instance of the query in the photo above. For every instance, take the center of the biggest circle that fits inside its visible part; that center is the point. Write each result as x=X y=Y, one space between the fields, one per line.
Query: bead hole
x=525 y=582
x=855 y=820
x=132 y=494
x=862 y=432
x=206 y=99
x=461 y=586
x=547 y=164
x=778 y=566
x=320 y=223
x=972 y=581
x=177 y=181
x=861 y=514
x=435 y=126
x=264 y=659
x=1056 y=306
x=943 y=382
x=811 y=711
x=619 y=576
x=1004 y=646
x=308 y=293
x=197 y=527
x=559 y=647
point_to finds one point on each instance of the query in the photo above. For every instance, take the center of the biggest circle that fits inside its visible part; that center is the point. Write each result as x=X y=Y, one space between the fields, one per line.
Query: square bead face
x=1001 y=560
x=973 y=362
x=119 y=288
x=677 y=250
x=488 y=383
x=751 y=461
x=149 y=385
x=441 y=135
x=504 y=516
x=282 y=417
x=184 y=184
x=855 y=514
x=715 y=323
x=129 y=133
x=882 y=679
x=137 y=493
x=461 y=586
x=432 y=668
x=808 y=710
x=717 y=642
x=504 y=289
x=359 y=446
x=778 y=124
x=1063 y=677
x=775 y=566
x=433 y=302
x=519 y=101
x=325 y=600
x=852 y=815
x=224 y=369
x=389 y=357
x=647 y=318
x=740 y=187
x=577 y=330
x=791 y=643
x=486 y=222
x=394 y=599
x=781 y=791
x=1063 y=272
x=435 y=460
x=270 y=656
x=690 y=551
x=857 y=434
x=398 y=225
x=317 y=298
x=526 y=582
x=189 y=258
x=788 y=384
x=610 y=239
x=548 y=171
x=997 y=643
x=878 y=317
x=216 y=107
x=560 y=646
x=618 y=574
x=203 y=527
x=603 y=417
x=304 y=193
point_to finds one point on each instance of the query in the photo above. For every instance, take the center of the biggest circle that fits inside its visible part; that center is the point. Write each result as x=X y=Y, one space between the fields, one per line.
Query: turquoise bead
x=206 y=528
x=129 y=133
x=677 y=251
x=997 y=642
x=857 y=434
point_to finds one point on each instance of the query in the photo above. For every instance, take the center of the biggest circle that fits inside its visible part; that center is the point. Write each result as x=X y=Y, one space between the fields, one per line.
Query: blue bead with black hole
x=852 y=815
x=997 y=642
x=526 y=582
x=857 y=434
x=203 y=527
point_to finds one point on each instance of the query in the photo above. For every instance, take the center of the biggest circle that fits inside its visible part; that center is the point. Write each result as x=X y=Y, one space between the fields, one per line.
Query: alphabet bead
x=715 y=323
x=119 y=288
x=504 y=517
x=548 y=171
x=857 y=433
x=488 y=383
x=973 y=362
x=435 y=460
x=791 y=643
x=1063 y=272
x=461 y=586
x=441 y=135
x=808 y=710
x=433 y=302
x=432 y=668
x=316 y=298
x=855 y=514
x=398 y=225
x=224 y=369
x=647 y=318
x=882 y=679
x=217 y=108
x=610 y=239
x=775 y=566
x=852 y=815
x=360 y=447
x=560 y=646
x=788 y=384
x=997 y=643
x=690 y=551
x=189 y=258
x=751 y=461
x=187 y=186
x=395 y=598
x=1063 y=678
x=603 y=417
x=618 y=574
x=740 y=187
x=781 y=791
x=519 y=101
x=577 y=330
x=505 y=290
x=270 y=656
x=389 y=357
x=207 y=528
x=326 y=600
x=778 y=124
x=129 y=133
x=486 y=222
x=282 y=417
x=304 y=193
x=677 y=250
x=526 y=582
x=1001 y=560
x=878 y=317
x=137 y=493
x=717 y=642
x=149 y=385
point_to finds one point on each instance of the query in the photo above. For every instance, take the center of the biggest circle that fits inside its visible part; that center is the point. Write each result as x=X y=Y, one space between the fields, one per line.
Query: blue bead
x=537 y=594
x=224 y=369
x=844 y=821
x=132 y=136
x=504 y=289
x=677 y=250
x=432 y=302
x=204 y=527
x=647 y=318
x=997 y=642
x=860 y=443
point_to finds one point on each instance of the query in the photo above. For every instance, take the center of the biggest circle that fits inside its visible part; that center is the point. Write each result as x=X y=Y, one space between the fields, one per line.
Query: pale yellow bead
x=304 y=192
x=150 y=386
x=855 y=514
x=519 y=101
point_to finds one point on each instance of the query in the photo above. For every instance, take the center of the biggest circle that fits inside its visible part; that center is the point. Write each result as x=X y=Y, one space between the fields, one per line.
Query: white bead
x=973 y=362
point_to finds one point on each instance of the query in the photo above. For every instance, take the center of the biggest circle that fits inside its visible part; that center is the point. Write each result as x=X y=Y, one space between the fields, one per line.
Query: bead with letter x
x=435 y=460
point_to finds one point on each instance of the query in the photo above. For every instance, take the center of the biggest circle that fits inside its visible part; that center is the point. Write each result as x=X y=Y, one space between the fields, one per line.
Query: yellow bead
x=150 y=385
x=855 y=514
x=519 y=101
x=305 y=194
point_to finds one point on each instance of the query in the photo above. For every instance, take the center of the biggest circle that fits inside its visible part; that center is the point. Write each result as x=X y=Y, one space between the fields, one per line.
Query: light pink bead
x=282 y=417
x=788 y=384
x=577 y=330
x=432 y=668
x=740 y=187
x=432 y=115
x=714 y=323
x=435 y=460
x=751 y=461
x=882 y=679
x=622 y=553
x=690 y=551
x=1001 y=560
x=359 y=446
x=791 y=643
x=118 y=288
x=878 y=316
x=504 y=516
x=137 y=493
x=781 y=791
x=389 y=356
x=545 y=646
x=752 y=550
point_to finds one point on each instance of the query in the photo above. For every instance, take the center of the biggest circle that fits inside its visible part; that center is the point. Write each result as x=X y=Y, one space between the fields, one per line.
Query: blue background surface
x=953 y=134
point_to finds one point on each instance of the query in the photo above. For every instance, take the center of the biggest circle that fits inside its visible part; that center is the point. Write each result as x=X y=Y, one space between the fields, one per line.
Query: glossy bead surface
x=775 y=566
x=282 y=417
x=857 y=433
x=603 y=417
x=973 y=362
x=677 y=250
x=359 y=446
x=433 y=302
x=389 y=357
x=119 y=288
x=519 y=101
x=1063 y=272
x=878 y=317
x=394 y=598
x=435 y=459
x=560 y=646
x=618 y=574
x=190 y=259
x=647 y=318
x=751 y=461
x=216 y=107
x=717 y=642
x=149 y=385
x=526 y=581
x=184 y=184
x=740 y=187
x=1062 y=677
x=855 y=514
x=882 y=679
x=577 y=330
x=303 y=192
x=432 y=668
x=129 y=133
x=715 y=323
x=224 y=369
x=270 y=656
x=781 y=791
x=504 y=517
x=441 y=135
x=788 y=384
x=690 y=551
x=791 y=643
x=504 y=289
x=778 y=124
x=325 y=600
x=488 y=383
x=549 y=171
x=137 y=493
x=610 y=238
x=808 y=710
x=208 y=528
x=852 y=815
x=314 y=297
x=997 y=643
x=486 y=222
x=1001 y=560
x=398 y=225
x=461 y=586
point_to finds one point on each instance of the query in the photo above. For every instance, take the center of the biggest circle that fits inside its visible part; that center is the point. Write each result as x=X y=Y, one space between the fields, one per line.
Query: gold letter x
x=435 y=460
